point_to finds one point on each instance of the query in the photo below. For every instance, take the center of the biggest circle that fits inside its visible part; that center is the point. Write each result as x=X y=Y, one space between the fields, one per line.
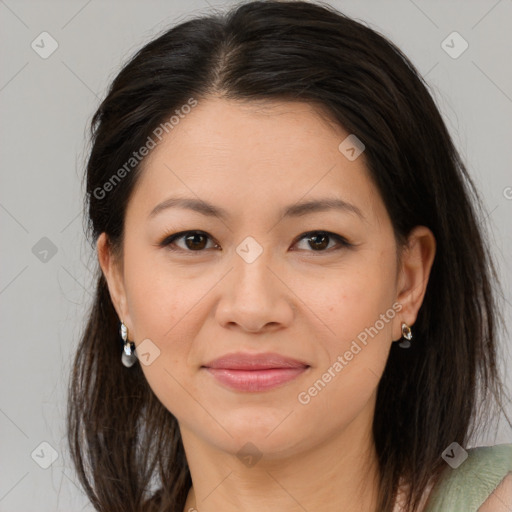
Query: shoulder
x=477 y=477
x=501 y=497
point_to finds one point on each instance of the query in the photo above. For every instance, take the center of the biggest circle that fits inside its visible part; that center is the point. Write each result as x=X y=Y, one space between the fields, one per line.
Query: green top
x=465 y=488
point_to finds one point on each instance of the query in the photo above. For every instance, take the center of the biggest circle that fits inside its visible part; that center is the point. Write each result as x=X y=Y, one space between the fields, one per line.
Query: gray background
x=46 y=105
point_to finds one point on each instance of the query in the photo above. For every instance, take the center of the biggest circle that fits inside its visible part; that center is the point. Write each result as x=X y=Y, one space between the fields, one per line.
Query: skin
x=253 y=160
x=500 y=500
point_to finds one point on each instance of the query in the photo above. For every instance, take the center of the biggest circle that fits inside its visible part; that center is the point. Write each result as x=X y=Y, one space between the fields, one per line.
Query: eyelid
x=342 y=241
x=171 y=237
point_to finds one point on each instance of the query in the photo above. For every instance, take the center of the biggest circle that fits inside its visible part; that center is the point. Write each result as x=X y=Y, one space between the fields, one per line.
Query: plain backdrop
x=46 y=263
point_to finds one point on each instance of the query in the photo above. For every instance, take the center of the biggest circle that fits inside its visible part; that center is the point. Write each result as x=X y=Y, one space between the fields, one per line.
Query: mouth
x=256 y=372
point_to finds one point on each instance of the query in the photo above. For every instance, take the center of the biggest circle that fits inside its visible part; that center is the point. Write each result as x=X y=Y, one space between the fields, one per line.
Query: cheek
x=357 y=306
x=353 y=300
x=163 y=312
x=167 y=308
x=346 y=378
x=158 y=298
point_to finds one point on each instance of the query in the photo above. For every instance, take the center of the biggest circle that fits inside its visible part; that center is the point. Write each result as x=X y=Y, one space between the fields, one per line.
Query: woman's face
x=251 y=282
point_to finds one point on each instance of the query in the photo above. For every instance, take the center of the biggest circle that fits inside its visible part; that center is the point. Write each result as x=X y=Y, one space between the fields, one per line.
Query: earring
x=129 y=356
x=406 y=335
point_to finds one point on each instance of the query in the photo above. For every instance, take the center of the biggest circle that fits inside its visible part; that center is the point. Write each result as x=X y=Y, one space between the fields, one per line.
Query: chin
x=272 y=432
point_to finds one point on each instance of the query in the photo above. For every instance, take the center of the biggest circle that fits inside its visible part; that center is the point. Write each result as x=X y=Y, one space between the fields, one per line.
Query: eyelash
x=170 y=238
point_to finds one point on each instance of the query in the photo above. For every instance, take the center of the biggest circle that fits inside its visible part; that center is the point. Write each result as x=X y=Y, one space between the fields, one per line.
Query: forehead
x=252 y=156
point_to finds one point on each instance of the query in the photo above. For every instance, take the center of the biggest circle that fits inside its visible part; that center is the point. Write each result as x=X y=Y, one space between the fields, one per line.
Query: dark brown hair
x=125 y=445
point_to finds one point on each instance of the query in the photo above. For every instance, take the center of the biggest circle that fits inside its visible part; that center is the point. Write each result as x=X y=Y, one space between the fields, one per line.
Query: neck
x=341 y=473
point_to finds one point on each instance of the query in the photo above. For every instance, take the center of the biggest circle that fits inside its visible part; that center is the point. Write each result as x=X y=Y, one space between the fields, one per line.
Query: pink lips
x=256 y=372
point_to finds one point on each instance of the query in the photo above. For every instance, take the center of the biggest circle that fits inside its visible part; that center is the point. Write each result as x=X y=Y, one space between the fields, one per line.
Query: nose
x=254 y=298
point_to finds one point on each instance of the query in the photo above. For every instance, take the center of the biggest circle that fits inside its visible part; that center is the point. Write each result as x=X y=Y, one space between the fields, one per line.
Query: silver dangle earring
x=406 y=336
x=129 y=356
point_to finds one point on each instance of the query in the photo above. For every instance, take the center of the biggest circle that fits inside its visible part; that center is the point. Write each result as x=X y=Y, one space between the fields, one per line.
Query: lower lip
x=255 y=380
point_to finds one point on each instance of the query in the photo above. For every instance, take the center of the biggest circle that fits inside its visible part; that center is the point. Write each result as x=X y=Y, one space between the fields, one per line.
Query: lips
x=255 y=372
x=240 y=361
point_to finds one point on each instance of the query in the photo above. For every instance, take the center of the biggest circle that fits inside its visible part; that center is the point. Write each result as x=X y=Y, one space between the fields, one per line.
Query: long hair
x=125 y=445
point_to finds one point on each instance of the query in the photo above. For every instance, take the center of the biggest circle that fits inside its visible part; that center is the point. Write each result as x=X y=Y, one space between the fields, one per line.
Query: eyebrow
x=294 y=210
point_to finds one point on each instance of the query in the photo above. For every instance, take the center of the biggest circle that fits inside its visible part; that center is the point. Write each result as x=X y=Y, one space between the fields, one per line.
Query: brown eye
x=197 y=241
x=319 y=240
x=193 y=241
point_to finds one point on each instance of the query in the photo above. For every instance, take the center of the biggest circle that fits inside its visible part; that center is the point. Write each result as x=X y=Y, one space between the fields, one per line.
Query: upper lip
x=243 y=361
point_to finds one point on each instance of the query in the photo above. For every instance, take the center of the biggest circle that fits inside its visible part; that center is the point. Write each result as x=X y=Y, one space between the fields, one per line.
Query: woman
x=295 y=306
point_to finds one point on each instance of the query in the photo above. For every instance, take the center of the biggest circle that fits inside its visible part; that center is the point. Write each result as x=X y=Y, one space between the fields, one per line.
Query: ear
x=113 y=271
x=417 y=260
